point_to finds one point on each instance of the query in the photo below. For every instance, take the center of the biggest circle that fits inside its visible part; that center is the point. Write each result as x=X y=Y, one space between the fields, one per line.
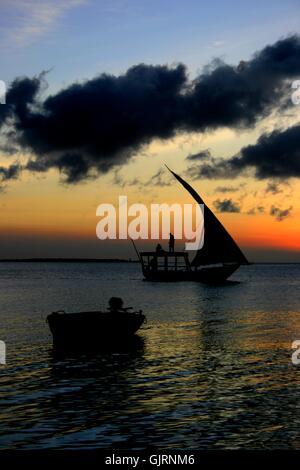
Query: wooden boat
x=218 y=259
x=94 y=329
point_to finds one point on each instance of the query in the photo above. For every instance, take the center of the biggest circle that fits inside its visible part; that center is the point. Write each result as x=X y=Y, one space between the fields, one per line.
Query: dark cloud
x=158 y=179
x=21 y=94
x=274 y=155
x=256 y=210
x=273 y=187
x=280 y=214
x=203 y=155
x=227 y=205
x=122 y=183
x=9 y=173
x=215 y=168
x=89 y=128
x=227 y=189
x=238 y=96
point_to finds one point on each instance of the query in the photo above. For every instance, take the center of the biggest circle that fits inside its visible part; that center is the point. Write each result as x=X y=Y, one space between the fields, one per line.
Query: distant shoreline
x=104 y=260
x=68 y=260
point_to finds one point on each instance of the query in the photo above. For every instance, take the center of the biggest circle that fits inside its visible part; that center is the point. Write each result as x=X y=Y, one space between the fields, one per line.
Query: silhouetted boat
x=94 y=330
x=219 y=257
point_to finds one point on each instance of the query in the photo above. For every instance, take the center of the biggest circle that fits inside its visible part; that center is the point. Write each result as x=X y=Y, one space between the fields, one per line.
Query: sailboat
x=215 y=262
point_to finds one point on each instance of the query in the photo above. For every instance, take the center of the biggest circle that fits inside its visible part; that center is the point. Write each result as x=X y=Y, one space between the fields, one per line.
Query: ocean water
x=214 y=369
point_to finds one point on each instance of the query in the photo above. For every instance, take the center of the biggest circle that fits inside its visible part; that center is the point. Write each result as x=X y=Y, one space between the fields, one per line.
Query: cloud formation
x=273 y=187
x=32 y=20
x=203 y=155
x=274 y=155
x=9 y=173
x=227 y=205
x=227 y=189
x=256 y=210
x=280 y=214
x=158 y=179
x=91 y=127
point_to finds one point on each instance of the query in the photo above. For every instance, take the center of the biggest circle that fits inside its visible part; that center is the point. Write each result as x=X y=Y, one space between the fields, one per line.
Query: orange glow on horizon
x=42 y=208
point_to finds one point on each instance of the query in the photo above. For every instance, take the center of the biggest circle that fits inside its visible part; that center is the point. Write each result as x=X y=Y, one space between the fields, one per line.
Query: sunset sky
x=65 y=149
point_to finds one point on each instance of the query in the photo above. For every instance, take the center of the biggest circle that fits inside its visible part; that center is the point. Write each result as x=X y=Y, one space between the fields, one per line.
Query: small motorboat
x=95 y=330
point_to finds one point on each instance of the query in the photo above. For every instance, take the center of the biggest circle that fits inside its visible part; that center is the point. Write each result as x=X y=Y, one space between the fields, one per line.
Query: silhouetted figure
x=153 y=264
x=159 y=249
x=116 y=305
x=171 y=243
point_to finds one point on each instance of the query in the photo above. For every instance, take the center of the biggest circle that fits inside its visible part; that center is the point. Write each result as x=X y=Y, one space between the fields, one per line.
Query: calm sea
x=214 y=370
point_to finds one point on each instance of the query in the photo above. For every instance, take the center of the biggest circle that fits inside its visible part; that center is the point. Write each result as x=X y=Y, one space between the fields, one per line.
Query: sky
x=101 y=94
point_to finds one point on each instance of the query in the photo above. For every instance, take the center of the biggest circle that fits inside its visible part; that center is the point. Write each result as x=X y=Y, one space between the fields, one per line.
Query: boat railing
x=165 y=261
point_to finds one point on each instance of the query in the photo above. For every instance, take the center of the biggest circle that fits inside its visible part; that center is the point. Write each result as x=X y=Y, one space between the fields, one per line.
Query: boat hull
x=208 y=275
x=93 y=330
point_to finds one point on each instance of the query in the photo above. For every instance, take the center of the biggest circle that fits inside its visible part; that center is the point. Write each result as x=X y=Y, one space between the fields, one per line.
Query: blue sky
x=78 y=39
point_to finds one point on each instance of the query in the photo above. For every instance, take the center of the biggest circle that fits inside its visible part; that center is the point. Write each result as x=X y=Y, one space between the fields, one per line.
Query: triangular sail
x=219 y=246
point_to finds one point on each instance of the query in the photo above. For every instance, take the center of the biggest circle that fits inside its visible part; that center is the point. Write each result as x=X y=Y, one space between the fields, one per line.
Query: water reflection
x=212 y=370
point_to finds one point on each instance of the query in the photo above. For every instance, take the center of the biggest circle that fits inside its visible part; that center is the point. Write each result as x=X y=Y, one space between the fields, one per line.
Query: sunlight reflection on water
x=213 y=369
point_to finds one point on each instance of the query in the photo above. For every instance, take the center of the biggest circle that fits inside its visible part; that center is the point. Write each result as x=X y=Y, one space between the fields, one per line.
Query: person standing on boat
x=171 y=243
x=159 y=249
